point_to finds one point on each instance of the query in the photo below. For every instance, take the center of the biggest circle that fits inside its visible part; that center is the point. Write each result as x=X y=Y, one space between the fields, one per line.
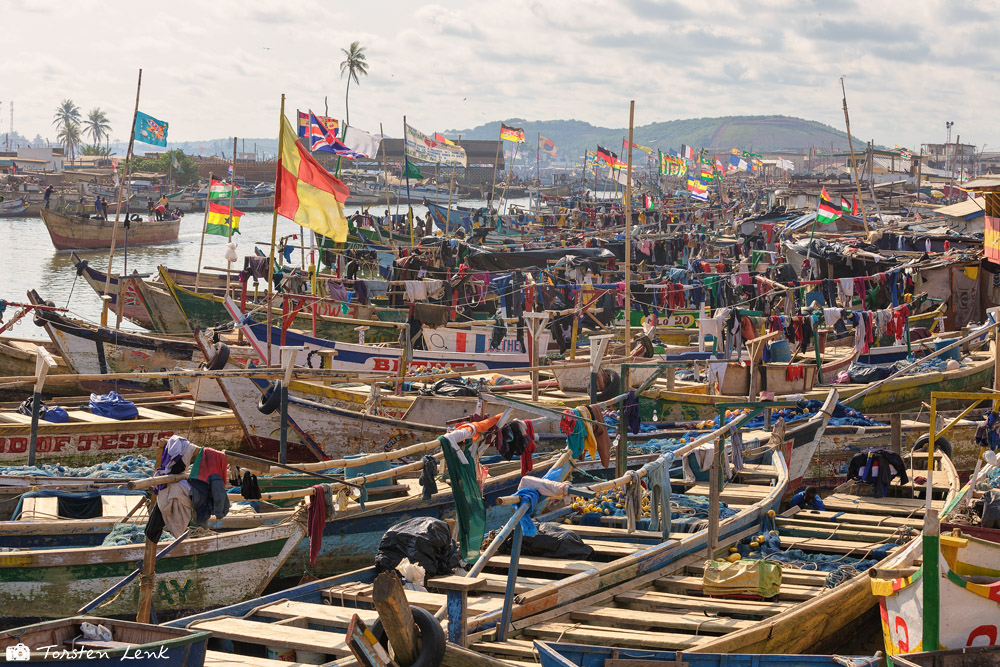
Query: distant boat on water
x=73 y=232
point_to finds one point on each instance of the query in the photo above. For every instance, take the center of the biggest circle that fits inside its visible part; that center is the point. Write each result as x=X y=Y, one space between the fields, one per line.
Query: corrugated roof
x=963 y=209
x=984 y=182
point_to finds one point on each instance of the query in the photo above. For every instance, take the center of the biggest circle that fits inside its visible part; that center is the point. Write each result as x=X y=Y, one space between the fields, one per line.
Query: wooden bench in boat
x=551 y=565
x=429 y=601
x=686 y=585
x=657 y=601
x=605 y=636
x=616 y=617
x=275 y=634
x=318 y=614
x=220 y=659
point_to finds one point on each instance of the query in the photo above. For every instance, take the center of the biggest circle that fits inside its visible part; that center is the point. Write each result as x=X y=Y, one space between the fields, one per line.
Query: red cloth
x=316 y=522
x=793 y=373
x=212 y=462
x=568 y=423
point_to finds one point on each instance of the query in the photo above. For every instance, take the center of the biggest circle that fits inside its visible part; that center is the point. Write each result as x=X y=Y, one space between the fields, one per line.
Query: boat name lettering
x=392 y=364
x=15 y=561
x=171 y=591
x=67 y=444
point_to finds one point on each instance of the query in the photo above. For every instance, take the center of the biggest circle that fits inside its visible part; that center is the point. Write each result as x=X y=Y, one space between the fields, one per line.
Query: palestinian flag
x=827 y=212
x=219 y=190
x=845 y=206
x=509 y=133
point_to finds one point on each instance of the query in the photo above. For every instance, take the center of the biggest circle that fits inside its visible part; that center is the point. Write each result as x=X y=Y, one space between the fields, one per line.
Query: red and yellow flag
x=306 y=192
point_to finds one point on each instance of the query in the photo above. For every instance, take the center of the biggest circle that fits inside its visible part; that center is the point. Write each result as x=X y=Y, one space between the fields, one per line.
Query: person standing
x=104 y=207
x=48 y=194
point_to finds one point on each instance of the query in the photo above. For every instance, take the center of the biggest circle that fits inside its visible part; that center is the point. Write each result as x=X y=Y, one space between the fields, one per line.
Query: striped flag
x=827 y=212
x=220 y=190
x=845 y=206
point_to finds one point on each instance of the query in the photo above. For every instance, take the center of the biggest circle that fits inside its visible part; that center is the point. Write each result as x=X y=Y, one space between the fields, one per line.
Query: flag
x=219 y=217
x=607 y=157
x=697 y=189
x=662 y=161
x=305 y=192
x=150 y=130
x=412 y=171
x=321 y=138
x=422 y=147
x=361 y=142
x=509 y=133
x=827 y=212
x=443 y=139
x=854 y=206
x=230 y=171
x=845 y=206
x=546 y=145
x=647 y=202
x=220 y=190
x=687 y=152
x=175 y=164
x=648 y=150
x=329 y=124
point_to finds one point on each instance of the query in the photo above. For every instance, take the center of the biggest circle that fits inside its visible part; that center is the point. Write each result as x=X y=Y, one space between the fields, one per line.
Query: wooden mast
x=204 y=224
x=854 y=160
x=274 y=227
x=628 y=232
x=232 y=201
x=121 y=187
x=451 y=191
x=385 y=173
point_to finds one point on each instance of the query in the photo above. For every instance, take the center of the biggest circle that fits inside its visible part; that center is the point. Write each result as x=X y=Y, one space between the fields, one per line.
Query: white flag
x=362 y=142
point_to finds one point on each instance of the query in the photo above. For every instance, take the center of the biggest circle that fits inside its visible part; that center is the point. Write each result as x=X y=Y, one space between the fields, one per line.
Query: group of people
x=158 y=209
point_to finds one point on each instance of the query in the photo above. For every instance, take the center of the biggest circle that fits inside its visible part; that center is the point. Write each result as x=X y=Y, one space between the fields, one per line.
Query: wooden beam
x=397 y=618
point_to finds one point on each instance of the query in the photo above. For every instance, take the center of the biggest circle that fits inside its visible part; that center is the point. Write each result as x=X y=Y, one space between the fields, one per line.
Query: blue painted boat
x=551 y=654
x=61 y=642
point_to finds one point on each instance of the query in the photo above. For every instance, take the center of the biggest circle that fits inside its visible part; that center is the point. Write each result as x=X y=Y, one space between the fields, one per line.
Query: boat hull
x=75 y=233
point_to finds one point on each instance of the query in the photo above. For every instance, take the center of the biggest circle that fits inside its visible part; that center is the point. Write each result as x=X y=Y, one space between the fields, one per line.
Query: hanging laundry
x=316 y=521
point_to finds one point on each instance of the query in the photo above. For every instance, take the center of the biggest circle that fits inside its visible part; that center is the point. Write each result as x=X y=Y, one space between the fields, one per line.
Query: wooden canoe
x=200 y=573
x=70 y=232
x=88 y=438
x=17 y=359
x=544 y=585
x=553 y=654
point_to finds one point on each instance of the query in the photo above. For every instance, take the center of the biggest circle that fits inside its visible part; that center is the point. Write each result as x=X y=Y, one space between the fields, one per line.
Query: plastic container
x=281 y=654
x=780 y=352
x=954 y=353
x=368 y=469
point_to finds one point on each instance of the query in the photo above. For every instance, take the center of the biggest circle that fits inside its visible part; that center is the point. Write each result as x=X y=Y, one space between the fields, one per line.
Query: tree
x=97 y=125
x=69 y=136
x=353 y=65
x=91 y=149
x=185 y=173
x=66 y=112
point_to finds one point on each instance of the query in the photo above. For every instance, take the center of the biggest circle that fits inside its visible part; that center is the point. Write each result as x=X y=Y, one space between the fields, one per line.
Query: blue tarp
x=113 y=406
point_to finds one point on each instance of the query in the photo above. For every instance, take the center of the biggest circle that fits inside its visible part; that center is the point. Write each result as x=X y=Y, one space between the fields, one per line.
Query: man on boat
x=808 y=499
x=48 y=194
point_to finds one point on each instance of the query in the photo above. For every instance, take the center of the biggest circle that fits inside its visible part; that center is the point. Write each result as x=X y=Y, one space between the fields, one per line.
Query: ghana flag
x=219 y=218
x=512 y=133
x=827 y=212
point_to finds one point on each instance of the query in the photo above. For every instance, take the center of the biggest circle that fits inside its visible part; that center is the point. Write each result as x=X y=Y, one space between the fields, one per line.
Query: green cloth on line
x=469 y=503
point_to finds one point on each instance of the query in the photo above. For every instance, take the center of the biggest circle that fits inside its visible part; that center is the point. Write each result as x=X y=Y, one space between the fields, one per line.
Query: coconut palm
x=69 y=136
x=353 y=65
x=97 y=125
x=66 y=112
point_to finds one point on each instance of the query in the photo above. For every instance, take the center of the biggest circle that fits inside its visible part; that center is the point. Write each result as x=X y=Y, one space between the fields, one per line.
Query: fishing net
x=131 y=533
x=127 y=467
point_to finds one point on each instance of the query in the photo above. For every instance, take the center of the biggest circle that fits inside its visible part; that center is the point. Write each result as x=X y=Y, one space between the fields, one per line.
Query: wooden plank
x=271 y=634
x=429 y=601
x=836 y=524
x=149 y=413
x=618 y=617
x=828 y=546
x=602 y=532
x=883 y=520
x=656 y=601
x=554 y=565
x=693 y=585
x=792 y=575
x=318 y=614
x=602 y=636
x=220 y=659
x=518 y=648
x=397 y=618
x=90 y=417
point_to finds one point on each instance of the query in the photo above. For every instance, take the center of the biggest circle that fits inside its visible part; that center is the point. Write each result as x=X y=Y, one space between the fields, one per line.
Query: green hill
x=752 y=133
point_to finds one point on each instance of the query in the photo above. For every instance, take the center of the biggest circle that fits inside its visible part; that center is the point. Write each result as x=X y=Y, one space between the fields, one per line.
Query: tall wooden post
x=274 y=229
x=232 y=201
x=628 y=229
x=854 y=160
x=204 y=225
x=121 y=186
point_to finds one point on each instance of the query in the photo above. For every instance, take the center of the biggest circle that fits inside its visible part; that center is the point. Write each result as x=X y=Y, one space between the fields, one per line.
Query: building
x=945 y=156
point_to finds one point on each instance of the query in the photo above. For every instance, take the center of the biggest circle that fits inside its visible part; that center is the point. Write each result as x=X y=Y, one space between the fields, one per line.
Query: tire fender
x=270 y=400
x=432 y=639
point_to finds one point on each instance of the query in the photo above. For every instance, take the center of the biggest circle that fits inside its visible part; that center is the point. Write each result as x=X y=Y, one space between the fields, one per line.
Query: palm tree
x=69 y=136
x=353 y=65
x=97 y=125
x=66 y=112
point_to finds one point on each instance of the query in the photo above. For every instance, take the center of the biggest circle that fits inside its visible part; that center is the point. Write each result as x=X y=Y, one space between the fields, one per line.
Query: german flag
x=827 y=212
x=509 y=133
x=608 y=157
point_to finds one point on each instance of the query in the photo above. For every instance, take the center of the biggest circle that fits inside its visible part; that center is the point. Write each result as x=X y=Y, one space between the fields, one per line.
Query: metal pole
x=204 y=225
x=508 y=598
x=232 y=202
x=283 y=447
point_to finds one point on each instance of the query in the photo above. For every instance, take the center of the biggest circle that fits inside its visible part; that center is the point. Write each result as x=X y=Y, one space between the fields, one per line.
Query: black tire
x=612 y=385
x=80 y=267
x=270 y=400
x=219 y=359
x=432 y=639
x=647 y=345
x=940 y=443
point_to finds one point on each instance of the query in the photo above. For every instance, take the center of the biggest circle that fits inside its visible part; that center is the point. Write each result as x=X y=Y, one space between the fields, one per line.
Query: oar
x=131 y=577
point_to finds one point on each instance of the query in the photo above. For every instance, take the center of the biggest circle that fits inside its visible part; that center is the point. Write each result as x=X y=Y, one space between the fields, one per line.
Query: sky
x=217 y=69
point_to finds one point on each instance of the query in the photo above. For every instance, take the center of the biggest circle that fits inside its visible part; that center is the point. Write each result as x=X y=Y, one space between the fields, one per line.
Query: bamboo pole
x=232 y=201
x=628 y=228
x=451 y=190
x=385 y=173
x=204 y=225
x=146 y=581
x=274 y=228
x=121 y=186
x=854 y=161
x=496 y=160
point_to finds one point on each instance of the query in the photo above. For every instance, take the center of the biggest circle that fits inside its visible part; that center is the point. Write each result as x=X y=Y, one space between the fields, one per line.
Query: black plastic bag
x=424 y=541
x=552 y=541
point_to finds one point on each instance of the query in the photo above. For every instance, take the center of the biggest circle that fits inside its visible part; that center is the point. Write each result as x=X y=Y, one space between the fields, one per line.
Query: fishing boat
x=541 y=582
x=17 y=358
x=89 y=438
x=199 y=573
x=967 y=582
x=64 y=642
x=554 y=654
x=14 y=208
x=71 y=232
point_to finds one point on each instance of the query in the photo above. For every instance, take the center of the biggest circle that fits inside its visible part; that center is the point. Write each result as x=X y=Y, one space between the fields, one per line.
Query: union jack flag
x=320 y=138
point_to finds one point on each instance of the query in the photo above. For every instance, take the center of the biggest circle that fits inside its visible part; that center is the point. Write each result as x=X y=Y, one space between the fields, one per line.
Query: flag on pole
x=411 y=171
x=607 y=157
x=321 y=138
x=219 y=218
x=827 y=212
x=546 y=145
x=687 y=152
x=220 y=189
x=306 y=193
x=305 y=129
x=150 y=130
x=515 y=134
x=361 y=142
x=854 y=207
x=422 y=147
x=443 y=139
x=176 y=164
x=845 y=206
x=697 y=189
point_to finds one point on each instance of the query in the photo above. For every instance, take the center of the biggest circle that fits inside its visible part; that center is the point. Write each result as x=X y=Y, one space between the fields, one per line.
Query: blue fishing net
x=687 y=515
x=127 y=467
x=130 y=533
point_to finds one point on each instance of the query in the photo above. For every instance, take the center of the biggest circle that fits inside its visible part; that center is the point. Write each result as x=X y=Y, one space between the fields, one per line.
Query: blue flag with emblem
x=149 y=130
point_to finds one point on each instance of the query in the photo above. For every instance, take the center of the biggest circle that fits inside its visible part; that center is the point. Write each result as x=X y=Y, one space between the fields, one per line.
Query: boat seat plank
x=657 y=601
x=150 y=413
x=553 y=565
x=630 y=618
x=517 y=648
x=86 y=416
x=220 y=659
x=612 y=548
x=829 y=546
x=272 y=634
x=858 y=519
x=840 y=526
x=606 y=636
x=789 y=574
x=319 y=614
x=198 y=408
x=693 y=585
x=429 y=601
x=15 y=418
x=600 y=532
